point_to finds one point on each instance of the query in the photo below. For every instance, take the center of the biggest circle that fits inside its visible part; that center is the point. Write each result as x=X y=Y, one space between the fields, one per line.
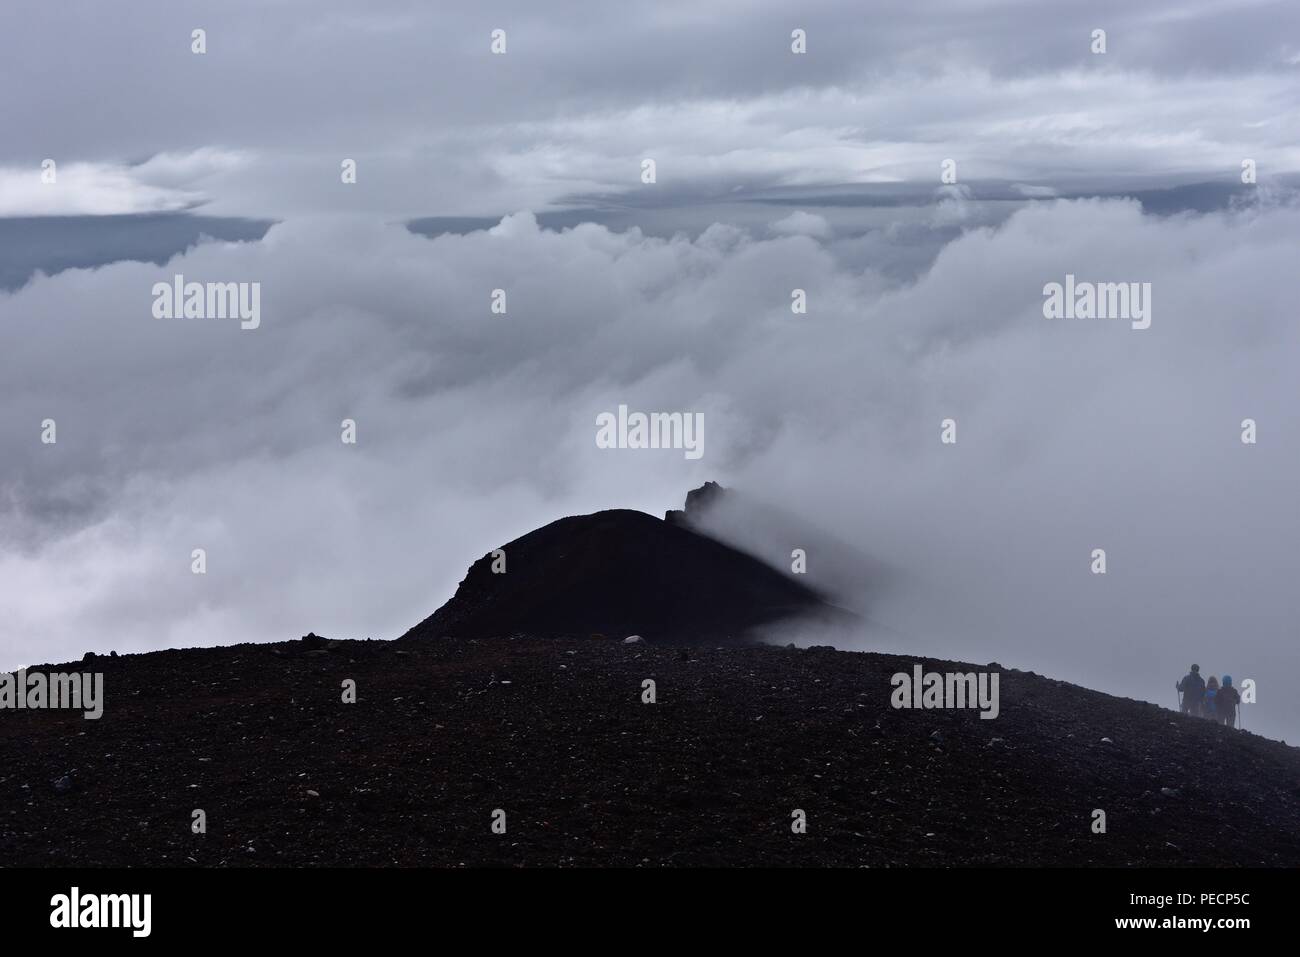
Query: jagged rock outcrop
x=698 y=502
x=622 y=572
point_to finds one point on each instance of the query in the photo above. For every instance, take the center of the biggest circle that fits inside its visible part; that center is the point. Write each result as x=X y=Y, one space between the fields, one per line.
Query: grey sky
x=819 y=172
x=258 y=125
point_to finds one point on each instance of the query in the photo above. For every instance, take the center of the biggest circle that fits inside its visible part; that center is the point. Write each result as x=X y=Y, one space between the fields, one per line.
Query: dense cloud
x=474 y=427
x=259 y=124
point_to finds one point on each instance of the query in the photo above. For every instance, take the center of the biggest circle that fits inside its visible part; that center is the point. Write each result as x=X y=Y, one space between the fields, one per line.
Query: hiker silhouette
x=1192 y=688
x=1226 y=703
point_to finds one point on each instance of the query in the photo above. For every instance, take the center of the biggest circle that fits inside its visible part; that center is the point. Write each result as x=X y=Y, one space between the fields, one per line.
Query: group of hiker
x=1214 y=699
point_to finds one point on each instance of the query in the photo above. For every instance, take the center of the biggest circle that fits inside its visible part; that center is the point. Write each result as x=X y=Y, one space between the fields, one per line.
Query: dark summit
x=622 y=572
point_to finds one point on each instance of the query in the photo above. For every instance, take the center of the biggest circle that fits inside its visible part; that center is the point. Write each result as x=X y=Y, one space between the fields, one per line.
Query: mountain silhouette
x=622 y=572
x=527 y=713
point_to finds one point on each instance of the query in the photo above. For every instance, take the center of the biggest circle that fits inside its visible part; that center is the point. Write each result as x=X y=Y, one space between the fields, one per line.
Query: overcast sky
x=775 y=171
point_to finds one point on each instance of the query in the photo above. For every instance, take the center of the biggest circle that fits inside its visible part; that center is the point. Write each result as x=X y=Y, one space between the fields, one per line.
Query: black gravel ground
x=555 y=734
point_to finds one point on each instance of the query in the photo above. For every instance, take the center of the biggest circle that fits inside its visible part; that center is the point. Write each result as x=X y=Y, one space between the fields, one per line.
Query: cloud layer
x=474 y=427
x=440 y=126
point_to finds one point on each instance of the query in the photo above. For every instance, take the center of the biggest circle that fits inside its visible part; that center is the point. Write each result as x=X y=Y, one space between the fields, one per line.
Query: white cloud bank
x=474 y=427
x=167 y=182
